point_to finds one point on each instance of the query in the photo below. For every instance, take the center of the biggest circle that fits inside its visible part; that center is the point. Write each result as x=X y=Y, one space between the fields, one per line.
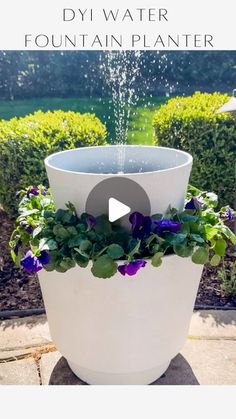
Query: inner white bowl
x=108 y=159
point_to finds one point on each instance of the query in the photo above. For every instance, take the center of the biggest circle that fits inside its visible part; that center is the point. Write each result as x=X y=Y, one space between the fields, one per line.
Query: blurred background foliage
x=40 y=74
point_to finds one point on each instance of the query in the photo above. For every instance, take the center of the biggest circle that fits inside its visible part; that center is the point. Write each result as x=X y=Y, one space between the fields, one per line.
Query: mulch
x=21 y=291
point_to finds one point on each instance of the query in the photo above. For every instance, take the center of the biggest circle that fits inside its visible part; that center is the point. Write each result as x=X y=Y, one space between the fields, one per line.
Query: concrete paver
x=208 y=357
x=25 y=332
x=205 y=362
x=47 y=364
x=20 y=372
x=202 y=362
x=213 y=323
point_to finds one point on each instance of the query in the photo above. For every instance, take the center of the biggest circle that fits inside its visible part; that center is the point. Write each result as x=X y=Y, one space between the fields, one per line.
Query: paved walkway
x=27 y=355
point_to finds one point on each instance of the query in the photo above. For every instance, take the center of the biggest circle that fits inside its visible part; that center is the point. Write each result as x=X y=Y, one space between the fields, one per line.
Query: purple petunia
x=29 y=229
x=91 y=221
x=194 y=204
x=17 y=247
x=44 y=257
x=32 y=191
x=166 y=226
x=32 y=263
x=229 y=214
x=141 y=225
x=131 y=268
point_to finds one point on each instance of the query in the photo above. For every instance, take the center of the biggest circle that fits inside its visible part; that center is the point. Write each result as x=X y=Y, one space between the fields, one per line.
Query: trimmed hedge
x=192 y=124
x=25 y=142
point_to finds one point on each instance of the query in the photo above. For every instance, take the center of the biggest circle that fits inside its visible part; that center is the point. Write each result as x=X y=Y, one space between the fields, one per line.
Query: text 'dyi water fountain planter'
x=121 y=330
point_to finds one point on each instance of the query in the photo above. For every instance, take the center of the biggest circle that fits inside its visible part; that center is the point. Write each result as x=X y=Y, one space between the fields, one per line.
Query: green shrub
x=25 y=142
x=192 y=124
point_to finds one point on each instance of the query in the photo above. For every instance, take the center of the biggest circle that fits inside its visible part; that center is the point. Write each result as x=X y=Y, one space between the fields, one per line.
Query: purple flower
x=17 y=247
x=29 y=229
x=32 y=263
x=166 y=226
x=131 y=268
x=141 y=225
x=44 y=258
x=229 y=214
x=91 y=221
x=194 y=204
x=32 y=191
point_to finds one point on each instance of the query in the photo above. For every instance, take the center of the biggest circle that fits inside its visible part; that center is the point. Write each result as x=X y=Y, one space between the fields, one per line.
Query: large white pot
x=123 y=330
x=165 y=173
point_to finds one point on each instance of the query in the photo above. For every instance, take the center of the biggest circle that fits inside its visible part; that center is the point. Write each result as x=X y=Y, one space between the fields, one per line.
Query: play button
x=117 y=197
x=117 y=210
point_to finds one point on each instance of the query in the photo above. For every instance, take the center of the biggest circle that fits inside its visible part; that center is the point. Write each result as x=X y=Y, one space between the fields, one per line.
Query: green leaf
x=156 y=247
x=134 y=246
x=175 y=239
x=197 y=238
x=13 y=255
x=103 y=225
x=229 y=234
x=84 y=248
x=201 y=256
x=29 y=212
x=67 y=263
x=85 y=245
x=63 y=216
x=82 y=261
x=75 y=241
x=156 y=259
x=104 y=267
x=37 y=231
x=59 y=268
x=215 y=260
x=212 y=199
x=60 y=232
x=185 y=228
x=115 y=251
x=220 y=247
x=72 y=231
x=210 y=231
x=47 y=244
x=187 y=217
x=183 y=251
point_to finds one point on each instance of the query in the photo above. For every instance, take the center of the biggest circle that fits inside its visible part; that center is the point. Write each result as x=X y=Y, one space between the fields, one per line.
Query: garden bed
x=21 y=291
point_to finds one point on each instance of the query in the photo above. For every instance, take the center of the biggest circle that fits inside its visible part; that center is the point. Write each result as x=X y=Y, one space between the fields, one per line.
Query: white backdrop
x=42 y=22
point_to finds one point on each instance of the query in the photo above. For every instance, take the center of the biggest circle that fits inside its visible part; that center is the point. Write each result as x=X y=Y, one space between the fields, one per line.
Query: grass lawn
x=140 y=127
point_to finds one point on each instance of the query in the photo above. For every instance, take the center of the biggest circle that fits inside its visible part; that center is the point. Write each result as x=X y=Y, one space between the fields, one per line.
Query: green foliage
x=70 y=240
x=104 y=267
x=192 y=124
x=227 y=275
x=25 y=142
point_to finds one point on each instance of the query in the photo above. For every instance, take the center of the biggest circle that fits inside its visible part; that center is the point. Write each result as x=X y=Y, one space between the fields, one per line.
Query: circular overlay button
x=118 y=197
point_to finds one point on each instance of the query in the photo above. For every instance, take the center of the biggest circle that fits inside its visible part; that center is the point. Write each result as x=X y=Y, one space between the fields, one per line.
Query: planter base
x=98 y=377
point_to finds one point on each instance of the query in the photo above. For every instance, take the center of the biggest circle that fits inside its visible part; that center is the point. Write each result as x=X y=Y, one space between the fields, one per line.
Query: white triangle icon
x=117 y=209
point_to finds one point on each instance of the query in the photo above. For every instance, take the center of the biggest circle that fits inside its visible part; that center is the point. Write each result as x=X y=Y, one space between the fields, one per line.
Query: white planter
x=122 y=330
x=165 y=173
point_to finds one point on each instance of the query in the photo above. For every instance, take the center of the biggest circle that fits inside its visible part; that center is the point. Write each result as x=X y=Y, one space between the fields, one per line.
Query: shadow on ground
x=178 y=373
x=218 y=317
x=28 y=322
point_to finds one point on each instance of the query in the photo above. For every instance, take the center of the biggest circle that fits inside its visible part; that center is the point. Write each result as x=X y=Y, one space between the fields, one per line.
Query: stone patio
x=28 y=356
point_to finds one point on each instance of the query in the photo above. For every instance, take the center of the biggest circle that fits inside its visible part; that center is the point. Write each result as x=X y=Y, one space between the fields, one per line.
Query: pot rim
x=48 y=162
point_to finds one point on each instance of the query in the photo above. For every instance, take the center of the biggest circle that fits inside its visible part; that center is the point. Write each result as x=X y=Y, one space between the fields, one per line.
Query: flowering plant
x=60 y=239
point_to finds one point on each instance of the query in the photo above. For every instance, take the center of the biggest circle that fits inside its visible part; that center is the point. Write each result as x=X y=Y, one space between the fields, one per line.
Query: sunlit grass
x=140 y=127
